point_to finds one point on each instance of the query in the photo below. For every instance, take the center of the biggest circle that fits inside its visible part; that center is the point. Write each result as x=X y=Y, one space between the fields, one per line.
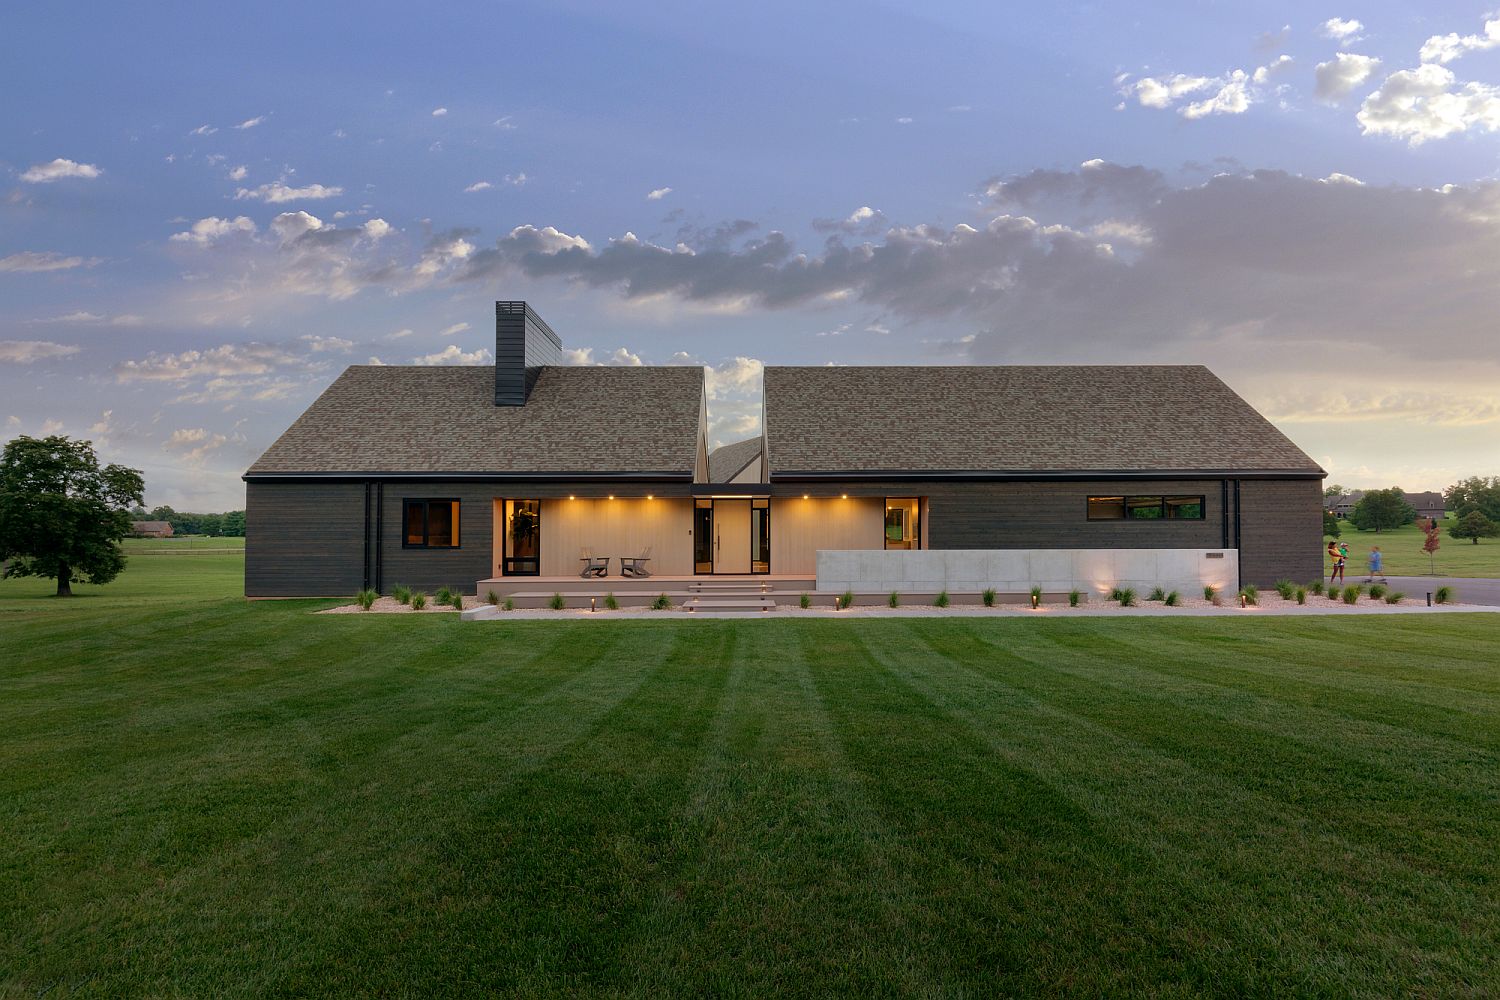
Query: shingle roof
x=729 y=460
x=398 y=419
x=1021 y=418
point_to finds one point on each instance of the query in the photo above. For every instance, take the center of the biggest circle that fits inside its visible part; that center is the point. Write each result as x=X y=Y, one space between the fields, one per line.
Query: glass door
x=760 y=536
x=703 y=536
x=523 y=538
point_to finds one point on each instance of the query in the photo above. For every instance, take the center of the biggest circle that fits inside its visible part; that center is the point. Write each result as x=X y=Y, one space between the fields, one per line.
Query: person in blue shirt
x=1375 y=561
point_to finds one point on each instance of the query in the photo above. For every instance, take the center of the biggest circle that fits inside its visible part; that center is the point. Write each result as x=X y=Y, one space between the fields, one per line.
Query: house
x=1427 y=504
x=151 y=529
x=428 y=476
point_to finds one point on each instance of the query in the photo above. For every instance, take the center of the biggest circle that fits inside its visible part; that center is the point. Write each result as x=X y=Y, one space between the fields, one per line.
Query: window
x=1145 y=508
x=760 y=536
x=703 y=536
x=431 y=524
x=523 y=538
x=903 y=526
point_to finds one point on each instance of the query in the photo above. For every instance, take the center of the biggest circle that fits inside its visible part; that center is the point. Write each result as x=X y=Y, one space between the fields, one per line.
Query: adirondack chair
x=636 y=565
x=593 y=566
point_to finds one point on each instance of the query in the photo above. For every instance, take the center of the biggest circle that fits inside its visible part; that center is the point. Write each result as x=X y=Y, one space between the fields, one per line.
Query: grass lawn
x=184 y=543
x=203 y=796
x=1404 y=556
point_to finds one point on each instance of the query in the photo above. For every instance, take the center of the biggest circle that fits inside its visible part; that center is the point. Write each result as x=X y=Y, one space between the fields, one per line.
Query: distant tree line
x=230 y=524
x=1473 y=503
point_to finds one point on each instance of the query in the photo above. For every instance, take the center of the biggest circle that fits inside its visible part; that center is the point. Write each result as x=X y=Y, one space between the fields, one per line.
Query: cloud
x=320 y=345
x=83 y=316
x=478 y=186
x=60 y=169
x=862 y=219
x=1231 y=93
x=1341 y=30
x=1446 y=48
x=739 y=376
x=193 y=443
x=1428 y=103
x=584 y=356
x=225 y=361
x=658 y=194
x=454 y=330
x=1270 y=41
x=239 y=173
x=25 y=352
x=34 y=261
x=203 y=130
x=453 y=355
x=1337 y=78
x=504 y=123
x=904 y=120
x=251 y=122
x=439 y=112
x=213 y=228
x=278 y=192
x=376 y=229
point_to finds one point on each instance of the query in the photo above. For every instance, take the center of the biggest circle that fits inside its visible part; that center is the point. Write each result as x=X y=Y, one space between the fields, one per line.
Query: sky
x=207 y=212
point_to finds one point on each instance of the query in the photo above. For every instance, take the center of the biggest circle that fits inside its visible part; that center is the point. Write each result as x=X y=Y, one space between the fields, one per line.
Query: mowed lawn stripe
x=1287 y=871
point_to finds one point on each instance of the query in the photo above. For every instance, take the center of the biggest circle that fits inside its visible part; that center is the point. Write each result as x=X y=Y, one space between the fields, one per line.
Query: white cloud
x=504 y=122
x=1341 y=30
x=1152 y=92
x=84 y=317
x=1427 y=103
x=737 y=376
x=1446 y=48
x=376 y=229
x=203 y=130
x=239 y=173
x=453 y=355
x=25 y=352
x=279 y=192
x=321 y=345
x=1231 y=99
x=1337 y=78
x=59 y=169
x=225 y=361
x=193 y=443
x=904 y=120
x=439 y=112
x=289 y=226
x=862 y=219
x=51 y=426
x=43 y=260
x=516 y=180
x=251 y=122
x=478 y=186
x=620 y=357
x=1231 y=94
x=658 y=194
x=1275 y=67
x=213 y=228
x=453 y=330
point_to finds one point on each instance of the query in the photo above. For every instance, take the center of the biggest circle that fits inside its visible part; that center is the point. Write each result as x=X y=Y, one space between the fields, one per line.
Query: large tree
x=61 y=515
x=1381 y=509
x=1474 y=525
x=1475 y=492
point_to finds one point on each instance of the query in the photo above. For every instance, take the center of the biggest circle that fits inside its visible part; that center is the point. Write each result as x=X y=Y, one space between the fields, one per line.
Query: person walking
x=1376 y=559
x=1337 y=558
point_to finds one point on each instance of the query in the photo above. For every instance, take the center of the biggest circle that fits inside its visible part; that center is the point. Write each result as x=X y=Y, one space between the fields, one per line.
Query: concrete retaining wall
x=1093 y=570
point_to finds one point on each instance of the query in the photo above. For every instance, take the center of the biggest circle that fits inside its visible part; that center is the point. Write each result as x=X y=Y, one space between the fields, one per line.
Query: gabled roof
x=729 y=460
x=577 y=421
x=1017 y=419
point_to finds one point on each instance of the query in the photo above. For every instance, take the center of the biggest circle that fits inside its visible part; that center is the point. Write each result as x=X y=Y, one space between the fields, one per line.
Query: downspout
x=379 y=534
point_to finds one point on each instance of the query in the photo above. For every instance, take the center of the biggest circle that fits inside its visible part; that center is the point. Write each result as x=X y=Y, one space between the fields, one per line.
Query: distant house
x=151 y=529
x=1427 y=504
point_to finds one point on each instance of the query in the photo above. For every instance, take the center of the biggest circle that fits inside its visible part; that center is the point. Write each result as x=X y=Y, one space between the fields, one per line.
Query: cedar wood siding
x=307 y=539
x=1280 y=521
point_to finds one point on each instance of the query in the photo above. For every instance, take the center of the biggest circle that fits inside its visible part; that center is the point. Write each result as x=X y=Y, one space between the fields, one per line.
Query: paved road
x=1469 y=590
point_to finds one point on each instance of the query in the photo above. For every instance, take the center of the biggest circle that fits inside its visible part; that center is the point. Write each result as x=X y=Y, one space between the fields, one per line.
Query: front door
x=731 y=536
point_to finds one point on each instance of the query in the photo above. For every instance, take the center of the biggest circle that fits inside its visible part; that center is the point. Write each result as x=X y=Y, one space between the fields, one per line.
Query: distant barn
x=151 y=529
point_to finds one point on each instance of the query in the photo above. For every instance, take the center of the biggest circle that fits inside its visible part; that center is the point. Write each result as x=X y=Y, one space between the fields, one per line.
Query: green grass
x=1402 y=548
x=183 y=543
x=203 y=796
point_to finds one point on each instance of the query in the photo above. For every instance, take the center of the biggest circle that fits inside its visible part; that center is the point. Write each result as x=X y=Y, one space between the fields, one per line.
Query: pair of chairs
x=597 y=567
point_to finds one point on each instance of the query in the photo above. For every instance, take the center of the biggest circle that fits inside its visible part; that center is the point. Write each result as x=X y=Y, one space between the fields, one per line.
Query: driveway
x=1469 y=590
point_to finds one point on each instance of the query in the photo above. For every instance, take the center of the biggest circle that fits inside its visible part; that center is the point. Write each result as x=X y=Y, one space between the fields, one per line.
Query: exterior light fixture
x=611 y=496
x=844 y=497
x=1035 y=601
x=650 y=496
x=591 y=603
x=570 y=497
x=1244 y=603
x=806 y=497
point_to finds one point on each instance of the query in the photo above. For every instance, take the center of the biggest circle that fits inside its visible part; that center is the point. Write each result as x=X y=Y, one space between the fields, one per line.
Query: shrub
x=1127 y=597
x=1210 y=592
x=1316 y=587
x=1251 y=595
x=989 y=597
x=557 y=603
x=1073 y=597
x=444 y=595
x=804 y=601
x=510 y=604
x=1351 y=594
x=491 y=598
x=1036 y=594
x=1286 y=589
x=402 y=594
x=365 y=598
x=941 y=600
x=418 y=601
x=457 y=600
x=1443 y=595
x=1377 y=591
x=1172 y=600
x=1157 y=594
x=610 y=604
x=1301 y=595
x=894 y=600
x=662 y=603
x=1118 y=594
x=846 y=600
x=1394 y=597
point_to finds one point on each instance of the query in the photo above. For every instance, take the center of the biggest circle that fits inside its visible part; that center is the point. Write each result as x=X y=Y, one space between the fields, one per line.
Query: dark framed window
x=429 y=524
x=523 y=538
x=1145 y=508
x=760 y=536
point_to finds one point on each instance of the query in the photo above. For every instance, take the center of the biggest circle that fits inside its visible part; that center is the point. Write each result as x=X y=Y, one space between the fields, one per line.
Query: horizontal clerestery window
x=1145 y=508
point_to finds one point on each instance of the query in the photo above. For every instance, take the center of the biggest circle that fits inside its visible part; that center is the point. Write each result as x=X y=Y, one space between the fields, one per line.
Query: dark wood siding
x=429 y=569
x=304 y=539
x=1281 y=530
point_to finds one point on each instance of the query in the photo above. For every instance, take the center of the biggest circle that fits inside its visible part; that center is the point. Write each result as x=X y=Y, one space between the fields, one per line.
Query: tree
x=1478 y=492
x=1474 y=525
x=1430 y=542
x=1381 y=509
x=163 y=513
x=61 y=515
x=1333 y=492
x=234 y=523
x=1331 y=527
